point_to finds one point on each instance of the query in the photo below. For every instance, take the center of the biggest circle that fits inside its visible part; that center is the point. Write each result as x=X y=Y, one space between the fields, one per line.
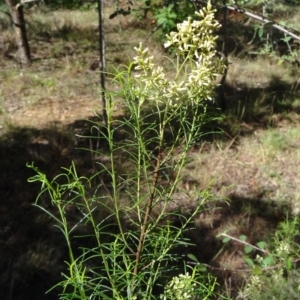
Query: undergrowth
x=134 y=254
x=133 y=245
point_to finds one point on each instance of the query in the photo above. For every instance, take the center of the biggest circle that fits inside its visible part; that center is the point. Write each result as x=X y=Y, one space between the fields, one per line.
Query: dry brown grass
x=262 y=166
x=62 y=83
x=259 y=73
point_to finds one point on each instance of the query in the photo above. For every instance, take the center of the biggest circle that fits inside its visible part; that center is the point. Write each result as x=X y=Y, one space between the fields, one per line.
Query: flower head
x=194 y=81
x=180 y=288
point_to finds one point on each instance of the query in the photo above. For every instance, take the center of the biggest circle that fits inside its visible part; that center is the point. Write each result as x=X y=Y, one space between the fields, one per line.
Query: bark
x=17 y=15
x=102 y=61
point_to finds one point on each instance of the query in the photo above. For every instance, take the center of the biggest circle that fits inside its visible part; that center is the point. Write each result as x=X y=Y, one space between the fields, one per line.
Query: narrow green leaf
x=192 y=257
x=288 y=264
x=201 y=268
x=226 y=240
x=248 y=249
x=243 y=238
x=260 y=32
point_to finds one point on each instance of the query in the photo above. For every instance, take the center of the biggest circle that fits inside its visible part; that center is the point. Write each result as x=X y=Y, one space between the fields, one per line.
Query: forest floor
x=254 y=164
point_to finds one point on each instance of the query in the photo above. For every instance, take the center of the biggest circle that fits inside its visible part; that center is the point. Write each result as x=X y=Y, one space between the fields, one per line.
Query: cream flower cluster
x=253 y=288
x=283 y=249
x=194 y=81
x=195 y=38
x=180 y=288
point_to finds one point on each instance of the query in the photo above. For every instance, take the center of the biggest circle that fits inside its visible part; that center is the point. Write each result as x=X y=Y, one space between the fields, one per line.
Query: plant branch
x=265 y=20
x=244 y=243
x=147 y=213
x=277 y=266
x=291 y=32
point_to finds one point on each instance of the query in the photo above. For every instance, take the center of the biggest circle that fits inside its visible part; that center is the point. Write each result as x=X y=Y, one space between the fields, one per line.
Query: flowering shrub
x=131 y=262
x=197 y=66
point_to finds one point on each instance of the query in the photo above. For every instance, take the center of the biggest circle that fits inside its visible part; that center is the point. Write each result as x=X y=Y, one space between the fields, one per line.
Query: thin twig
x=242 y=270
x=265 y=20
x=151 y=32
x=289 y=31
x=244 y=242
x=147 y=214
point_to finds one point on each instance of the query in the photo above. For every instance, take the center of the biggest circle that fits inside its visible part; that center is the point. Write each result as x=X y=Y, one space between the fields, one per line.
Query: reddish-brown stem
x=147 y=214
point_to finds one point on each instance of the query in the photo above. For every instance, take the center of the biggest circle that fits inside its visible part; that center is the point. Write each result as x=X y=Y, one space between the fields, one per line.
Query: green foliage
x=131 y=251
x=186 y=286
x=252 y=3
x=167 y=16
x=270 y=38
x=274 y=272
x=268 y=48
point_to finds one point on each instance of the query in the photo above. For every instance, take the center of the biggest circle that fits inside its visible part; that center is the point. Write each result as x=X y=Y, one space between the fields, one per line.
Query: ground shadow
x=32 y=251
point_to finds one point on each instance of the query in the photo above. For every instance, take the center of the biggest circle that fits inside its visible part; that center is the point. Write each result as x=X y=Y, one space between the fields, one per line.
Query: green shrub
x=274 y=269
x=133 y=244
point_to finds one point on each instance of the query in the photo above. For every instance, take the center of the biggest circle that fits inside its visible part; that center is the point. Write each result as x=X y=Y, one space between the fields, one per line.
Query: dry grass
x=62 y=83
x=261 y=166
x=259 y=73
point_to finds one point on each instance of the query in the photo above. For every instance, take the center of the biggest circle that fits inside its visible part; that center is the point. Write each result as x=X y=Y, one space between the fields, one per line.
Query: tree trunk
x=17 y=15
x=102 y=61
